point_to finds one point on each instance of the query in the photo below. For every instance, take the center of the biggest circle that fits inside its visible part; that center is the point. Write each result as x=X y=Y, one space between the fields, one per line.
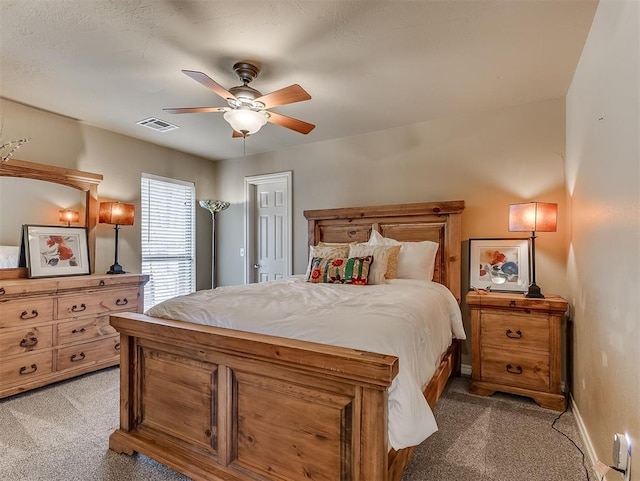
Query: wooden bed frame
x=220 y=404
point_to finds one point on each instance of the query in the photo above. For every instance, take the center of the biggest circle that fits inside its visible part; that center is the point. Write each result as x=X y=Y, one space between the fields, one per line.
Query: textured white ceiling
x=368 y=65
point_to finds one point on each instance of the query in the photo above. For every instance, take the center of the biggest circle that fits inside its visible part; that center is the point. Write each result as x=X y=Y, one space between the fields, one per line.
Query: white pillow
x=416 y=259
x=378 y=267
x=334 y=251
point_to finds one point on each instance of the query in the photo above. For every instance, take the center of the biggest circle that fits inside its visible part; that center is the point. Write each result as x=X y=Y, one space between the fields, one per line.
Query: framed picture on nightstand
x=502 y=265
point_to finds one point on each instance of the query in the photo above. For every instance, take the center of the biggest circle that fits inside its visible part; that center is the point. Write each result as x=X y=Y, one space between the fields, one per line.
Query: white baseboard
x=465 y=369
x=591 y=452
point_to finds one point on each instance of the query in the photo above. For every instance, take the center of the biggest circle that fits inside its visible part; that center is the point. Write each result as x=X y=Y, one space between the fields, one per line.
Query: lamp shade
x=245 y=121
x=533 y=217
x=68 y=215
x=116 y=213
x=214 y=206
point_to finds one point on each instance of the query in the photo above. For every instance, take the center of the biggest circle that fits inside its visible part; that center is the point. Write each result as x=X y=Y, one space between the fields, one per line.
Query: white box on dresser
x=58 y=328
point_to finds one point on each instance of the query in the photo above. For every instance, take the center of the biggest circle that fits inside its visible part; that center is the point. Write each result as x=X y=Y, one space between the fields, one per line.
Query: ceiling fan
x=248 y=108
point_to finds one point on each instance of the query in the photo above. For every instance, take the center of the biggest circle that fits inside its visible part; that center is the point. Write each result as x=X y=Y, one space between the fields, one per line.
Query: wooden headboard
x=435 y=221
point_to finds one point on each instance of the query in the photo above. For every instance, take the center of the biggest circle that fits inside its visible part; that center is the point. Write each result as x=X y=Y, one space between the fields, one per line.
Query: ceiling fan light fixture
x=245 y=121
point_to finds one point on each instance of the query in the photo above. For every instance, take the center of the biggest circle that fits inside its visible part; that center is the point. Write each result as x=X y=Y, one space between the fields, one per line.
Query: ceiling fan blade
x=210 y=84
x=290 y=123
x=194 y=110
x=288 y=95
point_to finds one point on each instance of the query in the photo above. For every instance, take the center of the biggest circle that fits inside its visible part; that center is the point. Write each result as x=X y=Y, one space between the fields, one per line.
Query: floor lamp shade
x=117 y=214
x=214 y=206
x=533 y=217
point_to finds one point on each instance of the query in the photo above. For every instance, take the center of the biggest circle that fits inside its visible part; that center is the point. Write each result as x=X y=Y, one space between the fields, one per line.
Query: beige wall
x=489 y=160
x=603 y=182
x=65 y=142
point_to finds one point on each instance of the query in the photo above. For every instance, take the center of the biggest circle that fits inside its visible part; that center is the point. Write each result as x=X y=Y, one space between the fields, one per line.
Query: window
x=168 y=238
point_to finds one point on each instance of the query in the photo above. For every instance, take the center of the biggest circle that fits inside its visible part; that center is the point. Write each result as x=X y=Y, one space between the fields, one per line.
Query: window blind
x=168 y=238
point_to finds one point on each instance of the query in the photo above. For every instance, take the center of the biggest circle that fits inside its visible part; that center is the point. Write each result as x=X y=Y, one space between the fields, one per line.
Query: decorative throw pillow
x=379 y=263
x=338 y=250
x=351 y=270
x=416 y=259
x=392 y=264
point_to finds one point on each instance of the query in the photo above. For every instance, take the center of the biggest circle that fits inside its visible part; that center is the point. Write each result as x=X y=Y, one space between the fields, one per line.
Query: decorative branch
x=16 y=145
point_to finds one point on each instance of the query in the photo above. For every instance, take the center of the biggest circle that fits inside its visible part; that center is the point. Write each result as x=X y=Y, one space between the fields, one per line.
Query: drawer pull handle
x=122 y=302
x=78 y=331
x=2 y=291
x=517 y=335
x=75 y=308
x=23 y=369
x=26 y=315
x=514 y=370
x=101 y=283
x=117 y=346
x=77 y=357
x=512 y=303
x=29 y=341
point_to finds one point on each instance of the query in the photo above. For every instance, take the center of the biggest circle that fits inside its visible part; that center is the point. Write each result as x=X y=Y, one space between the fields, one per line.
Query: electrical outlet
x=622 y=455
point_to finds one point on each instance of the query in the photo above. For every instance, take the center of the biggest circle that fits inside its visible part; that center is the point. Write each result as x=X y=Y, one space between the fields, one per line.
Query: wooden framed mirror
x=83 y=181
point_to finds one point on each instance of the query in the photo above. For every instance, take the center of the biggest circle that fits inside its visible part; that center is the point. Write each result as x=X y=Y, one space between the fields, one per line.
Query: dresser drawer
x=510 y=330
x=515 y=368
x=98 y=302
x=25 y=339
x=20 y=312
x=84 y=329
x=88 y=353
x=25 y=368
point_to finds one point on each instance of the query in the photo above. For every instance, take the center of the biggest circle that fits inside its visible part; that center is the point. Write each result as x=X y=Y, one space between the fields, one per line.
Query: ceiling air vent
x=157 y=124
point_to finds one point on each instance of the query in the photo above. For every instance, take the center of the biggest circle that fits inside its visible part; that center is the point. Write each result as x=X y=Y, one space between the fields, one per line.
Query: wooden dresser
x=57 y=328
x=517 y=346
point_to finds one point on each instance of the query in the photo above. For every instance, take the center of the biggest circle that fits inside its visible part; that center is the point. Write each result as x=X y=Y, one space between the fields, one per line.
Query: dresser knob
x=122 y=302
x=29 y=341
x=77 y=357
x=23 y=369
x=517 y=335
x=101 y=283
x=514 y=370
x=78 y=331
x=117 y=346
x=75 y=308
x=2 y=291
x=512 y=303
x=26 y=315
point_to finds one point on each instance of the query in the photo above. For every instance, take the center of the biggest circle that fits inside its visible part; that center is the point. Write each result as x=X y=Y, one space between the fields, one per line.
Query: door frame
x=250 y=184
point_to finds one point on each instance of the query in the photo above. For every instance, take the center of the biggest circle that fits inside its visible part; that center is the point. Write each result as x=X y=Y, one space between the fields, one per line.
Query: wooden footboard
x=218 y=404
x=214 y=403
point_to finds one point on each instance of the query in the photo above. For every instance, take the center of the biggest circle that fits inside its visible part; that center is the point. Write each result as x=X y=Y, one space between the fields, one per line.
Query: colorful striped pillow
x=340 y=270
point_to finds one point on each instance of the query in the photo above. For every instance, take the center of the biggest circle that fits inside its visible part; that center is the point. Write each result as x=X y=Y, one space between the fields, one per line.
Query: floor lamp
x=214 y=206
x=533 y=216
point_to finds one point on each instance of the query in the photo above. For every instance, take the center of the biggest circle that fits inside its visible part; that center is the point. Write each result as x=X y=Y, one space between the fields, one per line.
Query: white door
x=268 y=227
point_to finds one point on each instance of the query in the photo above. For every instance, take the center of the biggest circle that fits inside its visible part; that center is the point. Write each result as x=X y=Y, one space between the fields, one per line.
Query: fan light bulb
x=245 y=121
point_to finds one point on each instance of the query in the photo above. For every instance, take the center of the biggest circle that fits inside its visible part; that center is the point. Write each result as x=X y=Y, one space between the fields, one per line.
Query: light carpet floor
x=60 y=433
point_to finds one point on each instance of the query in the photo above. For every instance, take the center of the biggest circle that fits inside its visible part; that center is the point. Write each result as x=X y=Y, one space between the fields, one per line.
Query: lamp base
x=534 y=292
x=116 y=269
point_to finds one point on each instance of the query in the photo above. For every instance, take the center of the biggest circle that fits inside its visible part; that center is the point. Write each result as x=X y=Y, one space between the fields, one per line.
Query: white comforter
x=413 y=320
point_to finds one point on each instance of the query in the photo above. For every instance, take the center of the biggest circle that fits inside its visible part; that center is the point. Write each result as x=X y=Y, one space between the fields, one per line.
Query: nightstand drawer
x=84 y=330
x=23 y=368
x=97 y=302
x=515 y=368
x=513 y=331
x=25 y=339
x=88 y=353
x=19 y=312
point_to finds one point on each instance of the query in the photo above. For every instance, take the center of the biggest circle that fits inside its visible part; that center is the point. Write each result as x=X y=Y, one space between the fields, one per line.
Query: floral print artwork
x=58 y=250
x=499 y=266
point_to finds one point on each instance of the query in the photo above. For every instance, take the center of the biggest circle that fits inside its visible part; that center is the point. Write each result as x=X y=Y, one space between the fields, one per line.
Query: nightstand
x=517 y=346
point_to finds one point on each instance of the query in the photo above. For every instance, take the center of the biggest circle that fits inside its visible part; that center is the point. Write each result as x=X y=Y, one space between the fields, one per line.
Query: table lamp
x=116 y=213
x=533 y=217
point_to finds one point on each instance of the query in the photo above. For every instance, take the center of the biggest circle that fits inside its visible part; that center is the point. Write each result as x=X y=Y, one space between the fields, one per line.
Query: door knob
x=256 y=266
